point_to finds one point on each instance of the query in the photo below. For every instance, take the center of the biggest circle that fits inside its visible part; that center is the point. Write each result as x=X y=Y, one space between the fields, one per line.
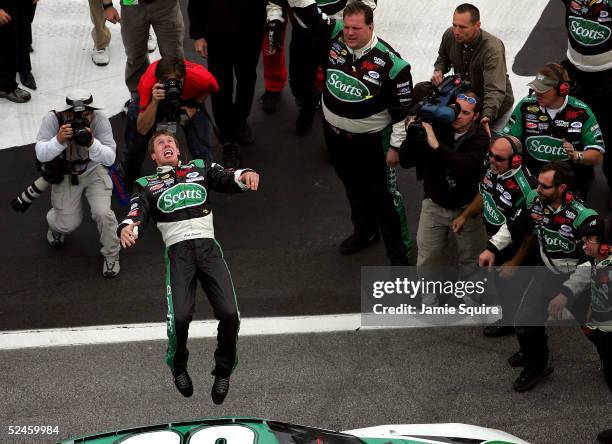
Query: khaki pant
x=435 y=225
x=67 y=212
x=167 y=21
x=100 y=33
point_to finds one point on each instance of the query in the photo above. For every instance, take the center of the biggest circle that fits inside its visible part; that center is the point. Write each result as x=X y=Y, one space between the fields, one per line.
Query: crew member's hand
x=201 y=47
x=189 y=111
x=158 y=93
x=458 y=223
x=64 y=133
x=570 y=150
x=507 y=270
x=409 y=120
x=112 y=15
x=437 y=77
x=250 y=179
x=4 y=17
x=484 y=122
x=556 y=306
x=432 y=141
x=392 y=157
x=128 y=235
x=486 y=259
x=275 y=36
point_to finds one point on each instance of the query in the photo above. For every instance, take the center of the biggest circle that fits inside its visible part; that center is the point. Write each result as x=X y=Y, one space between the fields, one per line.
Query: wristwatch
x=580 y=157
x=105 y=6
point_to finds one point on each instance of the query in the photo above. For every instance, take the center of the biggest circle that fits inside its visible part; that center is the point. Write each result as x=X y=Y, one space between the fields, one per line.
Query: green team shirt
x=542 y=135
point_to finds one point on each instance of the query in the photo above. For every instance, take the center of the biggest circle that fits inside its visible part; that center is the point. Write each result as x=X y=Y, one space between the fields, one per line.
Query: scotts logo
x=556 y=243
x=181 y=196
x=491 y=212
x=587 y=32
x=546 y=148
x=345 y=88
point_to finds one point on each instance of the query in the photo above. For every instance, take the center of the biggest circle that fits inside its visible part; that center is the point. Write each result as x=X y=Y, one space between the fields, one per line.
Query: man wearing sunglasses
x=449 y=161
x=556 y=217
x=503 y=190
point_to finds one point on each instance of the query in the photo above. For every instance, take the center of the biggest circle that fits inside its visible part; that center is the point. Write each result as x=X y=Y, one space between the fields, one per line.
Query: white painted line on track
x=108 y=334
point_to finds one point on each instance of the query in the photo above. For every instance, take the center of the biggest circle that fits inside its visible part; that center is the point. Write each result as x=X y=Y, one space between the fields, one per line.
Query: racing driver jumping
x=176 y=197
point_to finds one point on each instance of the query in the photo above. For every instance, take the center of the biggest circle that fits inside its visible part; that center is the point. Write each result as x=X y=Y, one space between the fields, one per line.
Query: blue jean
x=197 y=133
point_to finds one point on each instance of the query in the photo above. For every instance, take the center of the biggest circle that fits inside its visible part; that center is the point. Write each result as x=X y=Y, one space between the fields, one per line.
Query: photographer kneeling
x=449 y=159
x=172 y=94
x=76 y=143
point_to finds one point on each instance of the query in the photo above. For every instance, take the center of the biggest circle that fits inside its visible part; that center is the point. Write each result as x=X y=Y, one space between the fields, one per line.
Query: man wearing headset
x=552 y=125
x=555 y=215
x=503 y=191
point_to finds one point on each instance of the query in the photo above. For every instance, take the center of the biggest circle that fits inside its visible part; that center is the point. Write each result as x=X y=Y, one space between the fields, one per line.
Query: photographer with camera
x=172 y=94
x=78 y=141
x=479 y=58
x=448 y=158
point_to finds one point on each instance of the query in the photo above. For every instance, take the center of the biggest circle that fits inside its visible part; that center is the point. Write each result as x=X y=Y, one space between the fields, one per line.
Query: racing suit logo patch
x=491 y=211
x=546 y=148
x=180 y=196
x=346 y=88
x=554 y=242
x=588 y=32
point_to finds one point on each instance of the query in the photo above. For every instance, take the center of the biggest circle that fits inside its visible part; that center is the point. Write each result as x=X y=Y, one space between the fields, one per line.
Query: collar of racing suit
x=358 y=53
x=167 y=168
x=558 y=110
x=509 y=173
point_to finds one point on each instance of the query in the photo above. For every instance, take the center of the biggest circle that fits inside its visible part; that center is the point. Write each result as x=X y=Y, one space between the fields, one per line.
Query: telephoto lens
x=22 y=202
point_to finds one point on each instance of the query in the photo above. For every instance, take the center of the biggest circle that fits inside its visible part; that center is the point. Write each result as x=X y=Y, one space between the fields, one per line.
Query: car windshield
x=295 y=434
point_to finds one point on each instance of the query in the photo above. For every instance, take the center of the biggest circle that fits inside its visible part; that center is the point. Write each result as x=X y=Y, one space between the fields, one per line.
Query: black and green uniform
x=176 y=198
x=558 y=232
x=542 y=135
x=366 y=97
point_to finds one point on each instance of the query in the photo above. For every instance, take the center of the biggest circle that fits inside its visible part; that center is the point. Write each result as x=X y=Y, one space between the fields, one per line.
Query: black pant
x=9 y=48
x=532 y=314
x=307 y=53
x=186 y=262
x=229 y=56
x=371 y=188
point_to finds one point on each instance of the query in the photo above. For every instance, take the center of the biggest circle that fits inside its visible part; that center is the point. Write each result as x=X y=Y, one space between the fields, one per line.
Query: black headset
x=516 y=160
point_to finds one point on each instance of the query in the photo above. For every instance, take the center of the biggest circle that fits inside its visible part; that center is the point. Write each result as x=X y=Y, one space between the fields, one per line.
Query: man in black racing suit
x=176 y=197
x=367 y=96
x=555 y=216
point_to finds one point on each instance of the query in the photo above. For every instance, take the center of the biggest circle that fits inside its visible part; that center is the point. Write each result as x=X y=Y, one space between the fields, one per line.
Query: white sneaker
x=111 y=267
x=55 y=239
x=100 y=57
x=151 y=43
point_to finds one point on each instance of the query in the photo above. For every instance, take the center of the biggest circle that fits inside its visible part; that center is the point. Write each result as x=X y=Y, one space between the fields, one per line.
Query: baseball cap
x=542 y=84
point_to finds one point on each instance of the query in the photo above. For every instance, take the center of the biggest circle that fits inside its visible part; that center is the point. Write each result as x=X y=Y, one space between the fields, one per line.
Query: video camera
x=438 y=106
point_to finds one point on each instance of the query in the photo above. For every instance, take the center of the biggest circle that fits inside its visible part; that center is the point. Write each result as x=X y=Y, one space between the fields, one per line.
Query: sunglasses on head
x=470 y=100
x=497 y=157
x=546 y=187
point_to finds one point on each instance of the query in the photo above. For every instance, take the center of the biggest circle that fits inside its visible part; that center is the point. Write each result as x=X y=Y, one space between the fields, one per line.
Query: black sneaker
x=183 y=384
x=270 y=101
x=304 y=121
x=605 y=436
x=219 y=389
x=18 y=95
x=517 y=359
x=529 y=378
x=231 y=155
x=357 y=242
x=245 y=136
x=497 y=329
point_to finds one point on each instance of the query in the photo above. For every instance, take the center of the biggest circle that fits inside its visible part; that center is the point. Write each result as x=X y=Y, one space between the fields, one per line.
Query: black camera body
x=80 y=132
x=172 y=102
